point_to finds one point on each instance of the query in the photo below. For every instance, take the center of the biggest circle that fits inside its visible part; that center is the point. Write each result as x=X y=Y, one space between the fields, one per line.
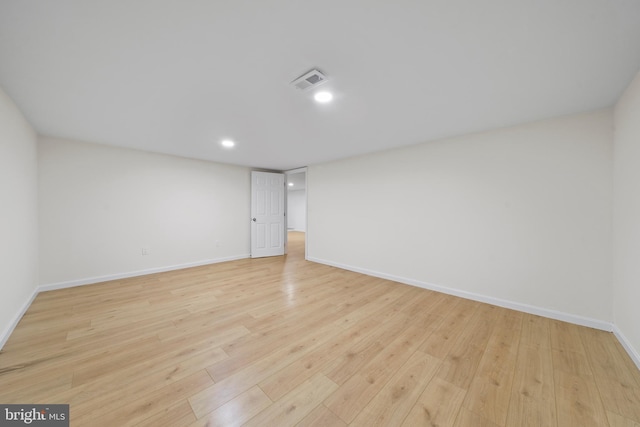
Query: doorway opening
x=296 y=210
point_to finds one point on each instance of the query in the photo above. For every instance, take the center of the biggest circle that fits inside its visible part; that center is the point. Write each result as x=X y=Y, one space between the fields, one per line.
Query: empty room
x=340 y=213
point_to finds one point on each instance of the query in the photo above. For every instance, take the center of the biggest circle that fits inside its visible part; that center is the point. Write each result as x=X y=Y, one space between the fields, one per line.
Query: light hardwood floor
x=282 y=341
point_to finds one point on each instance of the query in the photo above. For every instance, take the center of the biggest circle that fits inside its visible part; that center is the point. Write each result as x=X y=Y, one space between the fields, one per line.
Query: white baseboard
x=540 y=311
x=633 y=353
x=97 y=279
x=109 y=277
x=6 y=333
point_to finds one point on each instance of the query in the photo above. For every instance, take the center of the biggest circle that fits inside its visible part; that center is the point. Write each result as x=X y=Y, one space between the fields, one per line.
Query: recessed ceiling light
x=227 y=143
x=323 y=97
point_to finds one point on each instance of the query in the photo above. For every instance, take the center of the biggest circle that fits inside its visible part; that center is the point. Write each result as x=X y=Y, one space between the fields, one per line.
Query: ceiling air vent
x=309 y=80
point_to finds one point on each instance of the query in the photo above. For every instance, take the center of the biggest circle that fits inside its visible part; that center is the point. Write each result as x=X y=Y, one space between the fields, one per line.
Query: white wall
x=521 y=214
x=626 y=289
x=18 y=215
x=297 y=210
x=99 y=206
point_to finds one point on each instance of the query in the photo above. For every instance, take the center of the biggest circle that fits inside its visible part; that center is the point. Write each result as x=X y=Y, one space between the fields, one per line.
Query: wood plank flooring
x=286 y=342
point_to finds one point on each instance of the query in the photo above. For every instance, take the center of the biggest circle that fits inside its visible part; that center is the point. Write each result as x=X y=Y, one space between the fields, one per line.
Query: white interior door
x=267 y=214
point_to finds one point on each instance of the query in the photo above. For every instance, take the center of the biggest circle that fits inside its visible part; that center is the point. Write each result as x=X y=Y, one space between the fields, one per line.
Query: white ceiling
x=177 y=76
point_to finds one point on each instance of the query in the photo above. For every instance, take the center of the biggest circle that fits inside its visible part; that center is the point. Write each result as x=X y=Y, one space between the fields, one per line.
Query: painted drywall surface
x=297 y=210
x=626 y=224
x=521 y=214
x=18 y=213
x=100 y=206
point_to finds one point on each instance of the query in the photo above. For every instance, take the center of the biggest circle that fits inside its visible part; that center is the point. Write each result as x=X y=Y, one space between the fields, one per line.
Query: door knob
x=254 y=220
